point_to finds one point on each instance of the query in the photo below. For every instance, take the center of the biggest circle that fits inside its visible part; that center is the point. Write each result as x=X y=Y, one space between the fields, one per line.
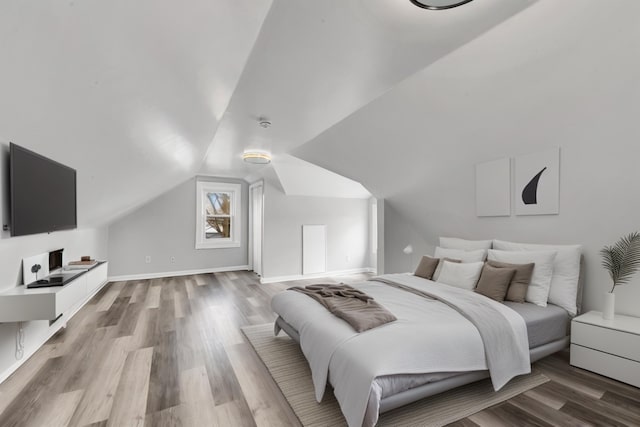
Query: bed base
x=430 y=389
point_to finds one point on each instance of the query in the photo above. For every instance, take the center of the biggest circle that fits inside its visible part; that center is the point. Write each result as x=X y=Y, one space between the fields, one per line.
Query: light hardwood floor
x=169 y=352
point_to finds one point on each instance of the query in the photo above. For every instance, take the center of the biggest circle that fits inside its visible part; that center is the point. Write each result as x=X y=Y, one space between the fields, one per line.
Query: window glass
x=218 y=221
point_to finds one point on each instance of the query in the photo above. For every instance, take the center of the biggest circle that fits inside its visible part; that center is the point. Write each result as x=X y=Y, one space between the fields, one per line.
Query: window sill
x=218 y=245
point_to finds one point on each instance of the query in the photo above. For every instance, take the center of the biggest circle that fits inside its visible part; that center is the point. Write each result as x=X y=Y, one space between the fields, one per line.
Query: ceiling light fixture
x=256 y=157
x=439 y=4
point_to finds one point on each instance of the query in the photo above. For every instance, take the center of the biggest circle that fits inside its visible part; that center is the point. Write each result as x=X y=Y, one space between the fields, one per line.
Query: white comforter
x=429 y=336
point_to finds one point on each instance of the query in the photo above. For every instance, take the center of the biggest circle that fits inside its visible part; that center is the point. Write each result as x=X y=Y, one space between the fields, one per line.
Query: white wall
x=398 y=234
x=557 y=74
x=598 y=204
x=165 y=228
x=347 y=222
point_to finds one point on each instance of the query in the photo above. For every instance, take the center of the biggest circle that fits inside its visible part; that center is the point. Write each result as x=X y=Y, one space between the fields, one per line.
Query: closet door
x=256 y=206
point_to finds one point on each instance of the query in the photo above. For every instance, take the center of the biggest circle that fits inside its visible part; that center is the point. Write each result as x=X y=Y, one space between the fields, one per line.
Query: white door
x=256 y=209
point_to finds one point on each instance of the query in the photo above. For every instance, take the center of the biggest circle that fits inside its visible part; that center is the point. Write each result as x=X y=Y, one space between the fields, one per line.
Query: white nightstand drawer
x=611 y=341
x=615 y=367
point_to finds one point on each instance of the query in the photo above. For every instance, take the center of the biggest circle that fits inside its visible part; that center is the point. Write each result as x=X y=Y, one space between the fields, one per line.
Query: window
x=218 y=215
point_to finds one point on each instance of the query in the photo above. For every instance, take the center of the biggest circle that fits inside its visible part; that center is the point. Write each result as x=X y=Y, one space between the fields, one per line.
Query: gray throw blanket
x=351 y=305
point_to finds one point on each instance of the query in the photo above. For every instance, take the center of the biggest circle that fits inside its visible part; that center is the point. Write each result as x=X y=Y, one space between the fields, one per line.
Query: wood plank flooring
x=169 y=352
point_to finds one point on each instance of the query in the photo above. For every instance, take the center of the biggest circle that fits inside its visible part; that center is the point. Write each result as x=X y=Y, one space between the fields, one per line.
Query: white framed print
x=537 y=183
x=493 y=188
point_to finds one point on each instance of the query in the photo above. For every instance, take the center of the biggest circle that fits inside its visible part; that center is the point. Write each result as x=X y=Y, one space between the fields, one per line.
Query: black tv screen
x=43 y=193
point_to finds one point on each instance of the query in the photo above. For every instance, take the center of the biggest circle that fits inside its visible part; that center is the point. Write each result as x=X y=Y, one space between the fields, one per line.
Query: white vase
x=609 y=306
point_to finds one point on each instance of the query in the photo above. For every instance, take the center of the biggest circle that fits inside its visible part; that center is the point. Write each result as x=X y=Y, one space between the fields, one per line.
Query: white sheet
x=428 y=336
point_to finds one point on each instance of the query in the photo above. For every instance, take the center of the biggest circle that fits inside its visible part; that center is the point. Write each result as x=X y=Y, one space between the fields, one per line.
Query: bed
x=402 y=383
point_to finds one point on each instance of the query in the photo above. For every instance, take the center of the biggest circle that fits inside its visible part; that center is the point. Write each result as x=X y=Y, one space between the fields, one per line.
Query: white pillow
x=461 y=275
x=462 y=255
x=538 y=290
x=467 y=245
x=566 y=271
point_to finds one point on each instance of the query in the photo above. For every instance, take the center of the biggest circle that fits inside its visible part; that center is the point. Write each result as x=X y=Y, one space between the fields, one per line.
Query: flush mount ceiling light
x=439 y=4
x=256 y=157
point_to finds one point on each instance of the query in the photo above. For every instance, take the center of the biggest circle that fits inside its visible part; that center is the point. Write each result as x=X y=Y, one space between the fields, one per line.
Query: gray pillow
x=520 y=282
x=436 y=273
x=427 y=267
x=494 y=282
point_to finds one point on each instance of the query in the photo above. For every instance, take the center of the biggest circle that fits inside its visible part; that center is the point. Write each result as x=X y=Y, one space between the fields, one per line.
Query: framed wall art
x=537 y=183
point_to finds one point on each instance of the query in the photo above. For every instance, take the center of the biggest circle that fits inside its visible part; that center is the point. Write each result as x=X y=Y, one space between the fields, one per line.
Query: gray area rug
x=288 y=367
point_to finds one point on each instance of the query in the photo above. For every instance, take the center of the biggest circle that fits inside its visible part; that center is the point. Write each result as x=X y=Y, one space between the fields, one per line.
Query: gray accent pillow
x=520 y=282
x=436 y=273
x=427 y=267
x=494 y=282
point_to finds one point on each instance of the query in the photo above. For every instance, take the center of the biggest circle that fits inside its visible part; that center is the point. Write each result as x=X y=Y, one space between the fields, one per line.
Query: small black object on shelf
x=50 y=282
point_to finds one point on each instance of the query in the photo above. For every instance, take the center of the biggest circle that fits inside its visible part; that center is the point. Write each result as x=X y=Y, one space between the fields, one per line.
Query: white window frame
x=203 y=187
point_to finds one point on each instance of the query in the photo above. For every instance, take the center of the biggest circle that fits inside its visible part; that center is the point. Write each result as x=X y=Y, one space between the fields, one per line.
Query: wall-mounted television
x=43 y=193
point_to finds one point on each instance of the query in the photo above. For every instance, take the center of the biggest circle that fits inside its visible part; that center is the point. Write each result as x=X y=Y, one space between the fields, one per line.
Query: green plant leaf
x=622 y=260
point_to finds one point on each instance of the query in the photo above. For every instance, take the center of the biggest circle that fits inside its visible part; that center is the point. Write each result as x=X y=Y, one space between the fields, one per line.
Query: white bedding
x=428 y=337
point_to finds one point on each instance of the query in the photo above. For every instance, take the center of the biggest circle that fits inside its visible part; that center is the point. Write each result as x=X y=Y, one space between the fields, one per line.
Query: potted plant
x=622 y=261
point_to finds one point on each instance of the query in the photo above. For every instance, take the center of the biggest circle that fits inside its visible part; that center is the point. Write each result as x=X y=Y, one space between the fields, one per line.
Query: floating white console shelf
x=21 y=304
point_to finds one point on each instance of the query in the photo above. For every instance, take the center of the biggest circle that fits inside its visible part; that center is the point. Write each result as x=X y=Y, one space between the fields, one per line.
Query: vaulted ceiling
x=129 y=93
x=139 y=96
x=317 y=62
x=559 y=74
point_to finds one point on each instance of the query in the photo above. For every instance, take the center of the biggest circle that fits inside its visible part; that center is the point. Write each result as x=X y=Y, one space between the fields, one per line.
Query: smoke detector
x=264 y=123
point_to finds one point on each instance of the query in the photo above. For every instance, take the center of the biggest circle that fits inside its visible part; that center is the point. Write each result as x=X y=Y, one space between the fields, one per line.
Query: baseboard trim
x=176 y=273
x=275 y=279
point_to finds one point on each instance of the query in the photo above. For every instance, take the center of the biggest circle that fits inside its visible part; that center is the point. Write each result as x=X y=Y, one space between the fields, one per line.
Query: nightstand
x=607 y=347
